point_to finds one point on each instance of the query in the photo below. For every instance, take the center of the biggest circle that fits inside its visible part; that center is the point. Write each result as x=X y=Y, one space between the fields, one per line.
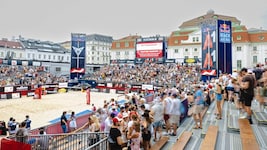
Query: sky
x=55 y=20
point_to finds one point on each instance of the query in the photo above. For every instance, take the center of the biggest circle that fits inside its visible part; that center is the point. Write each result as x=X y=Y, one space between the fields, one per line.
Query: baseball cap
x=116 y=119
x=125 y=115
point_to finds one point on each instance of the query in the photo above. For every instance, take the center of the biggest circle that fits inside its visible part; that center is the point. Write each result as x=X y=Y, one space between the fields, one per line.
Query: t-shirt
x=168 y=103
x=158 y=112
x=63 y=117
x=114 y=133
x=199 y=101
x=250 y=89
x=175 y=107
x=28 y=123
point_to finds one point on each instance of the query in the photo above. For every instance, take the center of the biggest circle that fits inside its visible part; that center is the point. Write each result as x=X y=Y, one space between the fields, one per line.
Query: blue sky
x=55 y=20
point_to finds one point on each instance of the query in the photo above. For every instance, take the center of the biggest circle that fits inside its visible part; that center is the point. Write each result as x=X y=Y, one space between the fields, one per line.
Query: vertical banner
x=209 y=47
x=224 y=46
x=78 y=44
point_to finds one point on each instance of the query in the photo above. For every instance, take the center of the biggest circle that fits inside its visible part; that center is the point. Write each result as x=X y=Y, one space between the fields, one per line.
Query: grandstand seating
x=158 y=145
x=182 y=141
x=248 y=138
x=209 y=142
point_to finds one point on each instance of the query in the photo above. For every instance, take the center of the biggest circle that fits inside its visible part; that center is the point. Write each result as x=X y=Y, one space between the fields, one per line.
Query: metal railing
x=69 y=141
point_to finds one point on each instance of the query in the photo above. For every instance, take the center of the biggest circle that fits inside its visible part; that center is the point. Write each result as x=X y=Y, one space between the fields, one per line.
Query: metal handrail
x=70 y=141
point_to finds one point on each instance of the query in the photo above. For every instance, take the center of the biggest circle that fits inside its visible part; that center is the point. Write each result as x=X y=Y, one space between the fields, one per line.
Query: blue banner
x=78 y=45
x=224 y=46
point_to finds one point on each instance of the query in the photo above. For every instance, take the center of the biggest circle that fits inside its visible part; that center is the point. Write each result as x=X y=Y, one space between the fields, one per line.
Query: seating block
x=209 y=141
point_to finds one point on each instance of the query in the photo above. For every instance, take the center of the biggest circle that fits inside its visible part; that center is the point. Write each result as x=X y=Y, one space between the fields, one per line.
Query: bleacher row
x=231 y=132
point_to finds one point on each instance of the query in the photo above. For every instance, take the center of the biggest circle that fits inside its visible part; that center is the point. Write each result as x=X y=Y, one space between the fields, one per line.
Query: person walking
x=218 y=95
x=63 y=122
x=175 y=113
x=199 y=105
x=28 y=122
x=73 y=124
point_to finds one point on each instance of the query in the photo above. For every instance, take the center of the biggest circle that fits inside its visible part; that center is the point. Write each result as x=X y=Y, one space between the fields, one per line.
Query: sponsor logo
x=22 y=88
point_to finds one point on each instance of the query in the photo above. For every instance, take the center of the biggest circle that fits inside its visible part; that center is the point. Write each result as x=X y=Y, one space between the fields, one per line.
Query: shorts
x=198 y=109
x=230 y=88
x=166 y=117
x=248 y=99
x=175 y=119
x=218 y=97
x=157 y=124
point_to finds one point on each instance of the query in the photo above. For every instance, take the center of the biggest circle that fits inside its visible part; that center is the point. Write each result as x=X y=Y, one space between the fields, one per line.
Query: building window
x=58 y=57
x=93 y=47
x=196 y=57
x=195 y=49
x=14 y=55
x=49 y=57
x=68 y=58
x=93 y=59
x=176 y=51
x=238 y=48
x=186 y=50
x=44 y=56
x=58 y=69
x=197 y=39
x=54 y=57
x=40 y=56
x=118 y=45
x=176 y=41
x=118 y=53
x=186 y=57
x=20 y=55
x=126 y=52
x=255 y=59
x=97 y=58
x=194 y=39
x=239 y=64
x=97 y=53
x=254 y=48
x=29 y=55
x=2 y=54
x=33 y=56
x=126 y=44
x=93 y=53
x=238 y=37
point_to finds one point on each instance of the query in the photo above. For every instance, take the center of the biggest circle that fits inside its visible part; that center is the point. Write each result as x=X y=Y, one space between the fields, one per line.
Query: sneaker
x=173 y=134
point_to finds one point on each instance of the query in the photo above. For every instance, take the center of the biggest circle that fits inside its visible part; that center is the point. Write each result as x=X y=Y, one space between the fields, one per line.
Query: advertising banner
x=209 y=46
x=78 y=45
x=224 y=46
x=149 y=50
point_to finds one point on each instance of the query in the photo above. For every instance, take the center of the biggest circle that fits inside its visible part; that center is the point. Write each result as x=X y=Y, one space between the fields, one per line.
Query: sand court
x=50 y=106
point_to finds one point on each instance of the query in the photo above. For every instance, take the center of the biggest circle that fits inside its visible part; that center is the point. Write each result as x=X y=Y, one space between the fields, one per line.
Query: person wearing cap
x=157 y=111
x=175 y=113
x=199 y=105
x=247 y=85
x=115 y=141
x=167 y=103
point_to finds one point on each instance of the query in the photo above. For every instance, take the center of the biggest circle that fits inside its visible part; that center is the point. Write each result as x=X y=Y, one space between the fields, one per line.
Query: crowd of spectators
x=147 y=73
x=26 y=75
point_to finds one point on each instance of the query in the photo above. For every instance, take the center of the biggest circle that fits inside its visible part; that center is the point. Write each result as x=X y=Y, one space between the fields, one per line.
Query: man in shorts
x=157 y=111
x=248 y=84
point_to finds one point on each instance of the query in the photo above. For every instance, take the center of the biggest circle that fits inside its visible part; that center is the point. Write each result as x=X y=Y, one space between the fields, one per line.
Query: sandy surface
x=50 y=106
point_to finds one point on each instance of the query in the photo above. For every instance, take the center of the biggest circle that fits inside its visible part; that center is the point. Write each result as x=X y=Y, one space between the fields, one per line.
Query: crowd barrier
x=13 y=92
